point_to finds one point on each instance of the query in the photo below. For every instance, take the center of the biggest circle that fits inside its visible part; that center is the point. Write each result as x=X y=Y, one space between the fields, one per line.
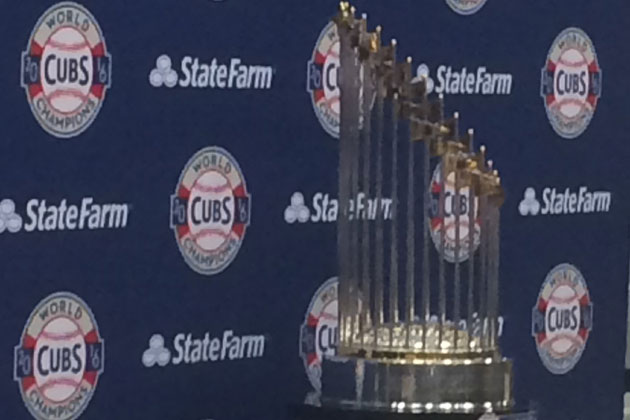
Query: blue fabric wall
x=146 y=299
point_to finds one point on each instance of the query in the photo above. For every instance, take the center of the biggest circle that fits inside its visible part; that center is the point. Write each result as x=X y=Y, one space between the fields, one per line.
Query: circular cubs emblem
x=210 y=210
x=59 y=358
x=451 y=207
x=66 y=69
x=466 y=7
x=562 y=319
x=571 y=83
x=322 y=79
x=318 y=334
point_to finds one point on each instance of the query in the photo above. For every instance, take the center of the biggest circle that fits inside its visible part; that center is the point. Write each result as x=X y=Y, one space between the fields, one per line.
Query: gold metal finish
x=418 y=351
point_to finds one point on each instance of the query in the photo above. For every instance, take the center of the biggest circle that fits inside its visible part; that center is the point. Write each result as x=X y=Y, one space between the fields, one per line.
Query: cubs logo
x=451 y=208
x=66 y=70
x=466 y=7
x=210 y=210
x=322 y=83
x=60 y=358
x=322 y=79
x=571 y=83
x=562 y=319
x=318 y=333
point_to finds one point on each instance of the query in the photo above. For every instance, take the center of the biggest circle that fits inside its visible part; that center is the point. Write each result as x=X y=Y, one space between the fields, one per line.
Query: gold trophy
x=418 y=321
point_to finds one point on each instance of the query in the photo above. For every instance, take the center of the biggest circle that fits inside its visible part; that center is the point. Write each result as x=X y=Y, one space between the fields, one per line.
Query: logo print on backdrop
x=210 y=210
x=197 y=74
x=163 y=74
x=462 y=81
x=297 y=210
x=318 y=333
x=326 y=208
x=44 y=217
x=156 y=353
x=9 y=219
x=529 y=205
x=66 y=70
x=60 y=358
x=451 y=207
x=321 y=80
x=562 y=319
x=559 y=202
x=571 y=83
x=466 y=7
x=189 y=349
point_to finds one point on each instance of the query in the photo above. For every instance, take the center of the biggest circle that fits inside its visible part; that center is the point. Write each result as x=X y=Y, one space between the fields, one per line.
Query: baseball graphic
x=326 y=329
x=60 y=358
x=561 y=339
x=451 y=206
x=213 y=202
x=323 y=83
x=466 y=7
x=210 y=210
x=570 y=73
x=60 y=349
x=571 y=83
x=331 y=88
x=322 y=79
x=318 y=333
x=66 y=69
x=562 y=319
x=65 y=78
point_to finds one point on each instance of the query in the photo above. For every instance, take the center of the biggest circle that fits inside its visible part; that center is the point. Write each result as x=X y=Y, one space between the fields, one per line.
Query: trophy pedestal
x=460 y=386
x=309 y=412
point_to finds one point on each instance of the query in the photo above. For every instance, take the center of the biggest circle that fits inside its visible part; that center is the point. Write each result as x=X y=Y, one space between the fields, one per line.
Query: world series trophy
x=418 y=323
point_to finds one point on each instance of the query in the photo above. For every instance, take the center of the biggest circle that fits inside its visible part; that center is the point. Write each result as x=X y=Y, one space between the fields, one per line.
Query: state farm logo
x=66 y=69
x=190 y=350
x=60 y=358
x=325 y=209
x=195 y=73
x=558 y=202
x=571 y=83
x=210 y=210
x=462 y=81
x=47 y=216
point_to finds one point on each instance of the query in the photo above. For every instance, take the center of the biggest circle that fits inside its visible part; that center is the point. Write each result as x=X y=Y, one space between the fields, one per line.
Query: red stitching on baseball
x=570 y=64
x=209 y=232
x=210 y=188
x=67 y=47
x=76 y=93
x=54 y=382
x=60 y=336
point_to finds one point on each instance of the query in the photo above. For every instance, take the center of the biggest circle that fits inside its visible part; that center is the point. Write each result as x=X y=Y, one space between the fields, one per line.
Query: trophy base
x=473 y=386
x=310 y=412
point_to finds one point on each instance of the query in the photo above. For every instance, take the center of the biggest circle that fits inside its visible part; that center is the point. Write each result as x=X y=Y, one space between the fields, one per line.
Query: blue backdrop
x=163 y=332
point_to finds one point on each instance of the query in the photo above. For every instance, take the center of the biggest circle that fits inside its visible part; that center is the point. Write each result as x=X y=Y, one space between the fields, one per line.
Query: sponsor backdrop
x=168 y=197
